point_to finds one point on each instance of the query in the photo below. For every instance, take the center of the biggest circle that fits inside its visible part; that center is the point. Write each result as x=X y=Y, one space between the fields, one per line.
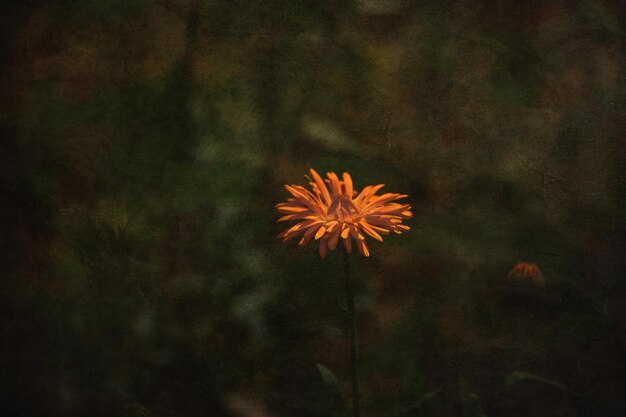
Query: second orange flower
x=333 y=210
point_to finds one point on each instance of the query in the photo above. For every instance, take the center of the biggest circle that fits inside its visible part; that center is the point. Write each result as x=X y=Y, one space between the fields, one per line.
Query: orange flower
x=334 y=210
x=526 y=272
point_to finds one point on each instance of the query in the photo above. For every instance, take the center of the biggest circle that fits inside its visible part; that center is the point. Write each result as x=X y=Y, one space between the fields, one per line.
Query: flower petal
x=305 y=198
x=367 y=192
x=302 y=216
x=331 y=225
x=363 y=247
x=335 y=185
x=333 y=206
x=367 y=229
x=292 y=232
x=320 y=232
x=334 y=238
x=347 y=184
x=323 y=247
x=293 y=209
x=403 y=227
x=385 y=198
x=347 y=244
x=391 y=208
x=305 y=239
x=380 y=230
x=321 y=185
x=313 y=228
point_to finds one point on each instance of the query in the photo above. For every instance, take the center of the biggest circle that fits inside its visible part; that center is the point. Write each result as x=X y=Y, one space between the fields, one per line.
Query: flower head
x=526 y=273
x=333 y=210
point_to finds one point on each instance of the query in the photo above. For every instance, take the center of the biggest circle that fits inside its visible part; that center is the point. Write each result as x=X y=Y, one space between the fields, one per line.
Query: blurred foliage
x=145 y=143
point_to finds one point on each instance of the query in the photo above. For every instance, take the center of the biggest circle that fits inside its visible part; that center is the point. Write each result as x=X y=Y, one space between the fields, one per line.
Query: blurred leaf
x=327 y=134
x=417 y=406
x=471 y=402
x=334 y=387
x=136 y=410
x=518 y=376
x=328 y=376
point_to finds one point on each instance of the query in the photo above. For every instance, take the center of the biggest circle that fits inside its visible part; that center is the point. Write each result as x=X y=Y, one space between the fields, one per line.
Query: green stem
x=354 y=339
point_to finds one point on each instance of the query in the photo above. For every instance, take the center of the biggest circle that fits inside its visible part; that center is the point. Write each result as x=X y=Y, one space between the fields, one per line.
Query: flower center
x=342 y=209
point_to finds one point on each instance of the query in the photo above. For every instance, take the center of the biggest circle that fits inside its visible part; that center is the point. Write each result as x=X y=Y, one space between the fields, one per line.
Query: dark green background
x=144 y=146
